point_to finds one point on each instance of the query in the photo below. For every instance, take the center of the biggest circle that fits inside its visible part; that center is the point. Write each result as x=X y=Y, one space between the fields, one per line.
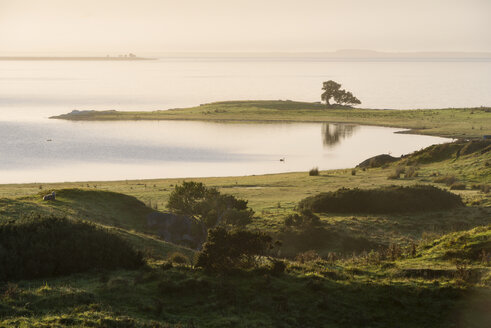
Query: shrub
x=482 y=146
x=458 y=186
x=228 y=250
x=396 y=174
x=353 y=172
x=308 y=256
x=304 y=219
x=178 y=258
x=447 y=179
x=277 y=267
x=485 y=188
x=391 y=199
x=314 y=171
x=411 y=172
x=43 y=247
x=209 y=205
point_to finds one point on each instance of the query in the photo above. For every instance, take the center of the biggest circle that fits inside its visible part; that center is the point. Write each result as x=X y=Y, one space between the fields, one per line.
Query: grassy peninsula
x=449 y=122
x=351 y=269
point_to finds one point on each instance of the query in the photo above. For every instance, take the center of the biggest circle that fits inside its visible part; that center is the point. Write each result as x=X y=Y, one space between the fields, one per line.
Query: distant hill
x=339 y=55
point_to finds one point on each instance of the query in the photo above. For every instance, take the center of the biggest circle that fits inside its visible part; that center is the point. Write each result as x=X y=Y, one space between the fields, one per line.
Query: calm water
x=132 y=150
x=35 y=89
x=30 y=91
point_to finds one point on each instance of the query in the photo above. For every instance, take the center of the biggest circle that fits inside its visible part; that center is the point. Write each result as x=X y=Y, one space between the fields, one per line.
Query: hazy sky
x=235 y=25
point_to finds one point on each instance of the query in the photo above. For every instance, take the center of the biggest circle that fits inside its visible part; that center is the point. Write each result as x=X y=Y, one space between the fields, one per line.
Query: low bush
x=277 y=267
x=391 y=199
x=482 y=146
x=396 y=174
x=209 y=205
x=447 y=179
x=314 y=171
x=44 y=247
x=458 y=186
x=229 y=250
x=411 y=172
x=304 y=219
x=308 y=256
x=178 y=258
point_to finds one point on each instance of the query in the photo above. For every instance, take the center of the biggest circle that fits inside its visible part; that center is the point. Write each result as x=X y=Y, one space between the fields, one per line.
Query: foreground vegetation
x=331 y=268
x=451 y=122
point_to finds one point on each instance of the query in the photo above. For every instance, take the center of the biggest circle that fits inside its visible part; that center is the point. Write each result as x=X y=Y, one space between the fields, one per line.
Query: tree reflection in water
x=332 y=134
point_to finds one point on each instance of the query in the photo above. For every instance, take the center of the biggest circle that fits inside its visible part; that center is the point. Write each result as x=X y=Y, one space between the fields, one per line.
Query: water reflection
x=332 y=134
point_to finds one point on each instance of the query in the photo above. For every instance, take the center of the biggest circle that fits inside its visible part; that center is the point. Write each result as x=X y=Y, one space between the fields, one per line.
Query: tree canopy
x=209 y=205
x=333 y=90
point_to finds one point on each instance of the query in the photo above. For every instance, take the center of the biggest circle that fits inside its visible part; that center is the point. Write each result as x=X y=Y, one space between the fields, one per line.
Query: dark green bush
x=209 y=205
x=229 y=250
x=44 y=247
x=314 y=171
x=304 y=219
x=178 y=258
x=447 y=179
x=277 y=267
x=397 y=173
x=391 y=199
x=458 y=186
x=482 y=146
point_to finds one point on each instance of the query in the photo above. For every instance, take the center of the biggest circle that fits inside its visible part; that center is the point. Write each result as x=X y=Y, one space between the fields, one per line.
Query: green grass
x=422 y=291
x=273 y=197
x=443 y=285
x=451 y=122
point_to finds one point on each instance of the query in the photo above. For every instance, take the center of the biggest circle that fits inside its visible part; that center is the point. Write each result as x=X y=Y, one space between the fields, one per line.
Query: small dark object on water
x=282 y=159
x=50 y=197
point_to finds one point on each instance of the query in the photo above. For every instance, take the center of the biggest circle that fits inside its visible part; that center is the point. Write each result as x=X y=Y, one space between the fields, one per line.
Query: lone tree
x=333 y=90
x=208 y=205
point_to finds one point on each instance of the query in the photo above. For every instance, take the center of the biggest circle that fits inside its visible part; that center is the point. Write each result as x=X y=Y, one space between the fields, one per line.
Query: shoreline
x=456 y=123
x=35 y=58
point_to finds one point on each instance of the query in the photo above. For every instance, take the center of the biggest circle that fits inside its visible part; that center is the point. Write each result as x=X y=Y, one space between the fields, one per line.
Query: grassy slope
x=121 y=213
x=357 y=292
x=456 y=123
x=428 y=289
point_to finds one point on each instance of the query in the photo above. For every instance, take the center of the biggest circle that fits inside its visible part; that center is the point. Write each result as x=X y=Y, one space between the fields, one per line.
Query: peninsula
x=448 y=122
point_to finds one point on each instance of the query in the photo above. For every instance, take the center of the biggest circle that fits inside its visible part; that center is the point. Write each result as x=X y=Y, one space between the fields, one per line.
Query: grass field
x=421 y=269
x=451 y=122
x=124 y=204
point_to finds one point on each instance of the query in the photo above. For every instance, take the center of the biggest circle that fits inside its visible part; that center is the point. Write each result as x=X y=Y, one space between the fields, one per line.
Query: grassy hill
x=123 y=214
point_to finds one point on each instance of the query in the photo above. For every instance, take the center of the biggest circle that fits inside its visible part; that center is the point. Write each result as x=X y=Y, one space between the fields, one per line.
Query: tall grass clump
x=50 y=246
x=391 y=199
x=396 y=174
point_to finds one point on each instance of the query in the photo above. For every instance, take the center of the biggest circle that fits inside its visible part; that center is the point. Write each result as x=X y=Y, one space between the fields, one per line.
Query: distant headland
x=124 y=57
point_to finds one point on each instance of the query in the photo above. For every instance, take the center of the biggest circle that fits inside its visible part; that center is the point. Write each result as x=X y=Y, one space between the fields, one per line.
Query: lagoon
x=57 y=151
